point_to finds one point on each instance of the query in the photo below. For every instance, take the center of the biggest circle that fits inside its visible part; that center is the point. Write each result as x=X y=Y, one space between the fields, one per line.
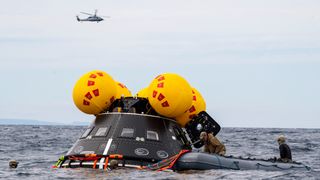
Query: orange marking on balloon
x=194 y=98
x=86 y=103
x=121 y=85
x=90 y=83
x=161 y=78
x=165 y=104
x=100 y=73
x=192 y=109
x=112 y=99
x=154 y=94
x=160 y=97
x=88 y=95
x=192 y=91
x=96 y=92
x=158 y=76
x=160 y=85
x=93 y=76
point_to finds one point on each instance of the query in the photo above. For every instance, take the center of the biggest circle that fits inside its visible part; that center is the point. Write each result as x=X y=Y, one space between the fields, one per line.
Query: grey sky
x=257 y=63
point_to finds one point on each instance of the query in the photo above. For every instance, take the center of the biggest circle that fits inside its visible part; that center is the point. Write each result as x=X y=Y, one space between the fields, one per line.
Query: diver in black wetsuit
x=285 y=152
x=13 y=164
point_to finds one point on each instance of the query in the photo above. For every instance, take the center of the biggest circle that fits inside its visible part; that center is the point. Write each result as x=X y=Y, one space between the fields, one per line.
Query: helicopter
x=92 y=17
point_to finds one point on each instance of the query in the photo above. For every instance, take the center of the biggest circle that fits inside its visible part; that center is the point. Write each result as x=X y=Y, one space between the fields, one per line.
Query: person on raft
x=211 y=144
x=285 y=152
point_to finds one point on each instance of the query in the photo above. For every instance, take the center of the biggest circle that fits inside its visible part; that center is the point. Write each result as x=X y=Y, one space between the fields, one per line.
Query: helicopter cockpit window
x=152 y=135
x=102 y=131
x=127 y=132
x=87 y=132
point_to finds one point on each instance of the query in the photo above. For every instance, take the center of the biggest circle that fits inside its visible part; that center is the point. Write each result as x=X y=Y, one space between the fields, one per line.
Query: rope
x=237 y=164
x=164 y=164
x=160 y=166
x=60 y=161
x=86 y=157
x=276 y=166
x=95 y=164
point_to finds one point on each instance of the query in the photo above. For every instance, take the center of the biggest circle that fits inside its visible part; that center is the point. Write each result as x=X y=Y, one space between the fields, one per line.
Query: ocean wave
x=37 y=148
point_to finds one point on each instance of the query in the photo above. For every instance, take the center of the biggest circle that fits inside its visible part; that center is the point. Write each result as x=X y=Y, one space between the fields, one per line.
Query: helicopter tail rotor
x=78 y=19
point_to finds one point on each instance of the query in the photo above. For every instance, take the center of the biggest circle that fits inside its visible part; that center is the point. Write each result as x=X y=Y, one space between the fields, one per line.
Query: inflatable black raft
x=203 y=161
x=132 y=133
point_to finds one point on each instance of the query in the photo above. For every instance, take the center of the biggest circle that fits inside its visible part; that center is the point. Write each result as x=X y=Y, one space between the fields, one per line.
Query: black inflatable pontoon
x=204 y=161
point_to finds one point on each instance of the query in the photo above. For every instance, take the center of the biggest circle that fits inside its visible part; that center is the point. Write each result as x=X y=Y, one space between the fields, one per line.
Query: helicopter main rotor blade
x=86 y=13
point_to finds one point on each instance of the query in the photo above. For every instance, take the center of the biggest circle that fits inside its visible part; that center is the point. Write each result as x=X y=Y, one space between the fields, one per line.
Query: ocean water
x=38 y=147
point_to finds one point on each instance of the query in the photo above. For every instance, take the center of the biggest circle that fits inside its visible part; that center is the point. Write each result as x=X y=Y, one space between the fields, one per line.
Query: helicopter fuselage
x=91 y=18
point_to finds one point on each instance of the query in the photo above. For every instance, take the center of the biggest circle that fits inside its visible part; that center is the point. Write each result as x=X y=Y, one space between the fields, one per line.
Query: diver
x=285 y=152
x=13 y=164
x=211 y=144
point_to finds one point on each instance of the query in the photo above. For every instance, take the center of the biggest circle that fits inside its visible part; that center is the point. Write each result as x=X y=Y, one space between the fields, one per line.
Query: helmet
x=202 y=135
x=281 y=139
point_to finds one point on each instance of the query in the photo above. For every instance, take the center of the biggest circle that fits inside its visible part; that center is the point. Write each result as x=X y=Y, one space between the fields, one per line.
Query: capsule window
x=87 y=132
x=102 y=131
x=152 y=135
x=127 y=132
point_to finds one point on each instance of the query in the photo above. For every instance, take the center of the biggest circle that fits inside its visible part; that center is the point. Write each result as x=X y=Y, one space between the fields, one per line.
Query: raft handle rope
x=166 y=163
x=237 y=164
x=276 y=166
x=160 y=166
x=86 y=157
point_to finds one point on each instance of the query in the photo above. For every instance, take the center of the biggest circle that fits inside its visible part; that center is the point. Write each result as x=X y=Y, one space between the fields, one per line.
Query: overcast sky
x=257 y=63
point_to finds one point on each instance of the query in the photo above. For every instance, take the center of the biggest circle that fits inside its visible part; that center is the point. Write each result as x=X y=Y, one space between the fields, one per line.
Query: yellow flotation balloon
x=198 y=105
x=94 y=92
x=143 y=93
x=122 y=90
x=170 y=95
